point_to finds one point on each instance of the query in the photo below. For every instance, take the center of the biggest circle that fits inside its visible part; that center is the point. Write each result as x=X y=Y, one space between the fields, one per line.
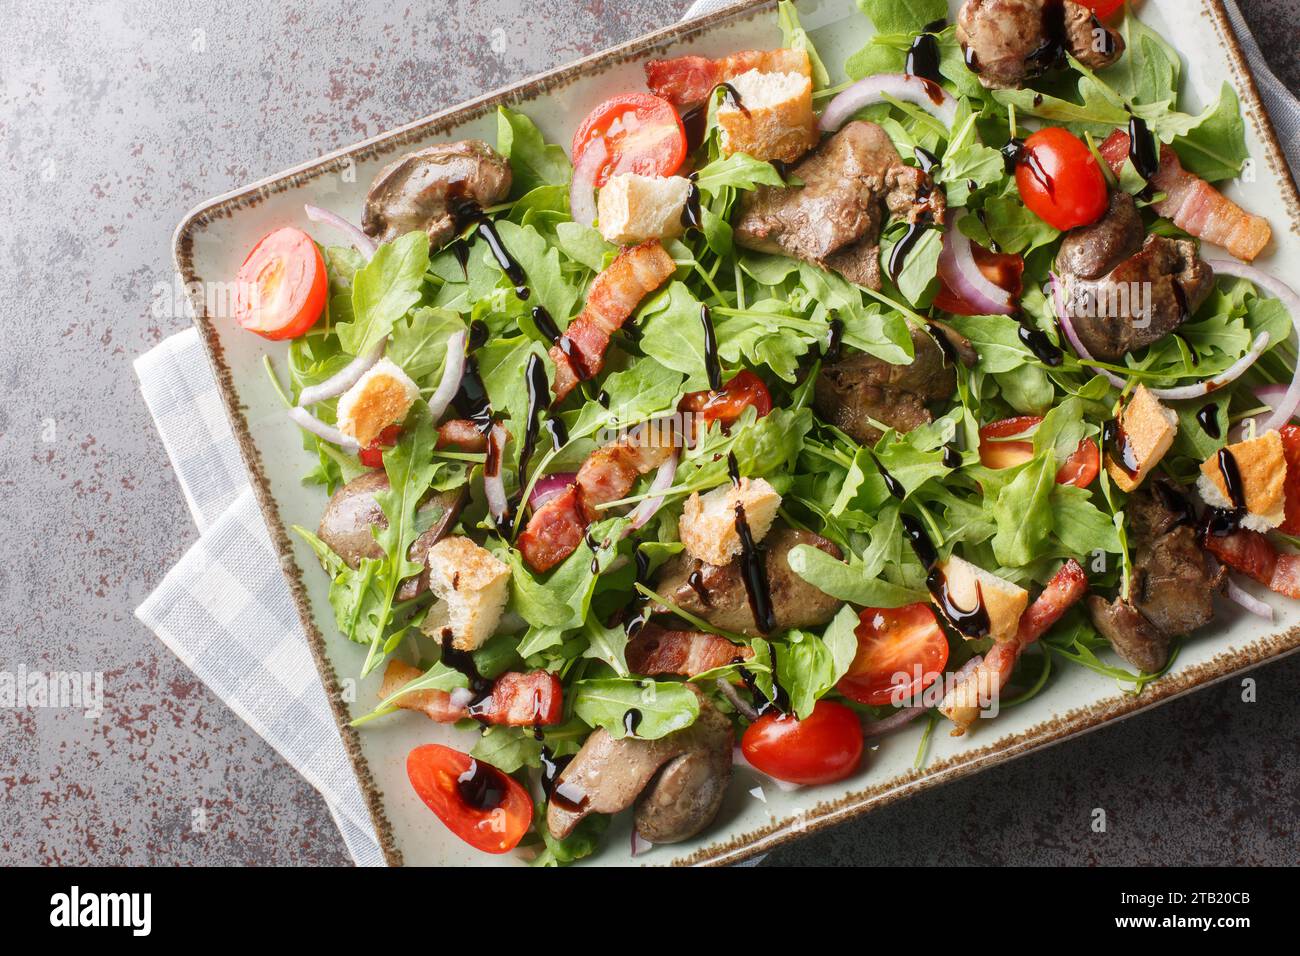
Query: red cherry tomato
x=1060 y=180
x=372 y=456
x=891 y=642
x=1291 y=449
x=487 y=809
x=726 y=406
x=1002 y=269
x=1103 y=8
x=1080 y=469
x=821 y=749
x=280 y=288
x=642 y=133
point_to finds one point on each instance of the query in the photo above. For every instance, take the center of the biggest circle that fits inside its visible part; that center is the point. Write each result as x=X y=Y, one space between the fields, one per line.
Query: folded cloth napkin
x=225 y=609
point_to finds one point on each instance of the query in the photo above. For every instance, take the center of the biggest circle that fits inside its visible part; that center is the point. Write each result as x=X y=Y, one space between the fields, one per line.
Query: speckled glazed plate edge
x=212 y=239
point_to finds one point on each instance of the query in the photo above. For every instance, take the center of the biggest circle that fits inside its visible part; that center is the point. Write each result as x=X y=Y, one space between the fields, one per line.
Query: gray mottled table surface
x=115 y=118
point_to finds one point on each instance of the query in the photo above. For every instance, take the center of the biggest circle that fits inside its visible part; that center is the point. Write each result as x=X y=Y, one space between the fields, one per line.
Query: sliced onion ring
x=1251 y=603
x=640 y=844
x=1199 y=390
x=879 y=728
x=663 y=481
x=452 y=372
x=549 y=486
x=962 y=273
x=918 y=91
x=494 y=485
x=1285 y=408
x=344 y=379
x=582 y=199
x=364 y=244
x=306 y=420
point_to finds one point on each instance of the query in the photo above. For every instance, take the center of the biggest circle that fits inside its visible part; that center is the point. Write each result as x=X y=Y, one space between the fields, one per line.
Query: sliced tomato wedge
x=1291 y=449
x=1060 y=179
x=1104 y=9
x=372 y=456
x=280 y=289
x=487 y=809
x=726 y=406
x=824 y=747
x=901 y=650
x=999 y=449
x=1002 y=269
x=642 y=134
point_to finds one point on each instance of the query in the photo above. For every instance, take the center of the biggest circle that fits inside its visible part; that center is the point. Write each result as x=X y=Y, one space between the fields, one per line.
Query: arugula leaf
x=664 y=707
x=737 y=171
x=1024 y=514
x=533 y=161
x=1215 y=148
x=582 y=842
x=805 y=669
x=541 y=261
x=847 y=581
x=796 y=38
x=890 y=16
x=384 y=291
x=672 y=335
x=584 y=244
x=419 y=344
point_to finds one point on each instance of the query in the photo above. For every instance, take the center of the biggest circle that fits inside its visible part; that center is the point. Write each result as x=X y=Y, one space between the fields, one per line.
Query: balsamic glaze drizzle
x=1036 y=341
x=1142 y=147
x=1232 y=479
x=780 y=702
x=463 y=663
x=973 y=622
x=951 y=457
x=482 y=786
x=471 y=399
x=546 y=324
x=539 y=394
x=925 y=159
x=923 y=58
x=1115 y=440
x=696 y=580
x=834 y=340
x=631 y=721
x=892 y=484
x=712 y=364
x=753 y=567
x=904 y=246
x=465 y=211
x=692 y=215
x=1208 y=419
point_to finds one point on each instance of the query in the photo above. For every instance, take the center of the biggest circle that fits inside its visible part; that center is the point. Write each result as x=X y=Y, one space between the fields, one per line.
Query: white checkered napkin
x=225 y=609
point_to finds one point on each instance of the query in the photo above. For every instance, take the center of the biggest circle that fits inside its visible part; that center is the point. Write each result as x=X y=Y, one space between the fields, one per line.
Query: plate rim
x=738 y=846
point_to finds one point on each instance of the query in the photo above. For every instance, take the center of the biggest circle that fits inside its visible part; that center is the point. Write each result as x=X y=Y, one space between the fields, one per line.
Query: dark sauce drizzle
x=969 y=622
x=464 y=212
x=904 y=246
x=463 y=663
x=892 y=484
x=923 y=58
x=1208 y=419
x=692 y=215
x=631 y=721
x=546 y=324
x=482 y=786
x=1036 y=341
x=924 y=158
x=712 y=364
x=696 y=580
x=834 y=340
x=1115 y=440
x=951 y=457
x=763 y=704
x=1222 y=522
x=731 y=96
x=539 y=393
x=471 y=399
x=753 y=567
x=1142 y=148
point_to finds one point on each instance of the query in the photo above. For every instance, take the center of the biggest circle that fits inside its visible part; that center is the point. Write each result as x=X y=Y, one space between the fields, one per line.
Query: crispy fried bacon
x=1194 y=205
x=463 y=434
x=556 y=528
x=687 y=80
x=517 y=700
x=1252 y=554
x=655 y=651
x=961 y=704
x=614 y=295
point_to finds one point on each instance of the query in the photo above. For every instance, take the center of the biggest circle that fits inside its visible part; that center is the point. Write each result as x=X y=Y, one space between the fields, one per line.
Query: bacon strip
x=463 y=434
x=517 y=700
x=961 y=704
x=613 y=297
x=556 y=528
x=655 y=650
x=1194 y=205
x=686 y=81
x=1252 y=554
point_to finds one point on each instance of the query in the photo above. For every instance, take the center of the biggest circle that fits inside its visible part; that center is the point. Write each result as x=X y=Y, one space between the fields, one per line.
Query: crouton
x=969 y=587
x=380 y=398
x=1262 y=464
x=708 y=524
x=633 y=208
x=1148 y=430
x=434 y=704
x=473 y=587
x=774 y=119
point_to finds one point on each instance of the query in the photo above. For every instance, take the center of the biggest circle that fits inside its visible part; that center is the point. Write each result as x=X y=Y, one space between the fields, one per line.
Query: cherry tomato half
x=726 y=406
x=821 y=749
x=1080 y=469
x=904 y=641
x=372 y=456
x=1103 y=8
x=642 y=133
x=1060 y=180
x=1291 y=449
x=280 y=288
x=487 y=809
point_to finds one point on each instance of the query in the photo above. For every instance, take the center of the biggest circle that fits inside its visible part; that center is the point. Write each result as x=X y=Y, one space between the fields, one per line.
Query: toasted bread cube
x=708 y=524
x=774 y=119
x=633 y=208
x=1262 y=464
x=473 y=587
x=1149 y=430
x=380 y=398
x=969 y=586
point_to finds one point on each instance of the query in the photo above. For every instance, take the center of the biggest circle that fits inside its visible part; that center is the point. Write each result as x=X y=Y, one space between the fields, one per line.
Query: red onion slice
x=640 y=844
x=1251 y=603
x=344 y=379
x=452 y=372
x=663 y=481
x=582 y=198
x=494 y=485
x=1285 y=408
x=918 y=91
x=364 y=244
x=306 y=420
x=548 y=486
x=1199 y=390
x=959 y=269
x=891 y=723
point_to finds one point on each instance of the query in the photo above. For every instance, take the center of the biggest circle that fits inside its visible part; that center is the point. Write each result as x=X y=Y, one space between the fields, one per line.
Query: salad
x=779 y=413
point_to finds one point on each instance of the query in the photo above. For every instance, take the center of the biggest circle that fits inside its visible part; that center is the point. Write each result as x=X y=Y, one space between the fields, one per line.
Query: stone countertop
x=115 y=120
